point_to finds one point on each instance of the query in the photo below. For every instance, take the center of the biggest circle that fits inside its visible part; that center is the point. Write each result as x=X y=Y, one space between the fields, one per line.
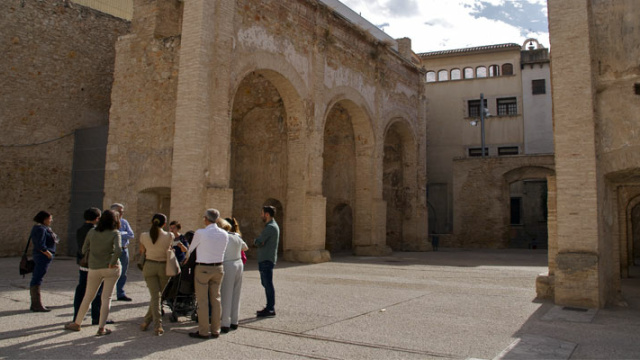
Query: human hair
x=110 y=220
x=189 y=236
x=117 y=207
x=41 y=217
x=157 y=222
x=91 y=214
x=269 y=210
x=176 y=224
x=235 y=227
x=223 y=224
x=212 y=215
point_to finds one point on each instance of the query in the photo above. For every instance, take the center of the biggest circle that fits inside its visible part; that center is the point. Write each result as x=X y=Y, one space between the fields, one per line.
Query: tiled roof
x=471 y=49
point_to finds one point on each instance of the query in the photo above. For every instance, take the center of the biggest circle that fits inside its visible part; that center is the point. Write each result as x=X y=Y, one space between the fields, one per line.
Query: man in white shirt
x=211 y=243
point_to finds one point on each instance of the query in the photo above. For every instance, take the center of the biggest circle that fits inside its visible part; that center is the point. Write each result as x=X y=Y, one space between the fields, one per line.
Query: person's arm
x=244 y=245
x=126 y=232
x=194 y=243
x=267 y=233
x=117 y=250
x=87 y=242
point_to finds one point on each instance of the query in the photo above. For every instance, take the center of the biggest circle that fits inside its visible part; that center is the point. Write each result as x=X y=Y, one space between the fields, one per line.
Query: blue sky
x=450 y=24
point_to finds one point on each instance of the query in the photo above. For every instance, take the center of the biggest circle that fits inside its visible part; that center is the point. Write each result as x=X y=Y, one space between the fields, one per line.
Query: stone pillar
x=577 y=275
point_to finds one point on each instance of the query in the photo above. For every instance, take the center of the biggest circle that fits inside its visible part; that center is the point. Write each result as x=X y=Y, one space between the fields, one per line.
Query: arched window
x=455 y=74
x=431 y=76
x=507 y=69
x=494 y=70
x=443 y=75
x=481 y=72
x=468 y=73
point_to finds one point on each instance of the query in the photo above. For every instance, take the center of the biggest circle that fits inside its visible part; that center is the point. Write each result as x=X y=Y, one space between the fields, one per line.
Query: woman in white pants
x=232 y=279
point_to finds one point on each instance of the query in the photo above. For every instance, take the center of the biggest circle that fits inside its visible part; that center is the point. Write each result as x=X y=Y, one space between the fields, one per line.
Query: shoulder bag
x=26 y=265
x=172 y=266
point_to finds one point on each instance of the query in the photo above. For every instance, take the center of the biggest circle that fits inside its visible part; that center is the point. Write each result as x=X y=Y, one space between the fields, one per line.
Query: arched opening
x=398 y=187
x=443 y=75
x=149 y=202
x=258 y=151
x=339 y=229
x=339 y=175
x=528 y=214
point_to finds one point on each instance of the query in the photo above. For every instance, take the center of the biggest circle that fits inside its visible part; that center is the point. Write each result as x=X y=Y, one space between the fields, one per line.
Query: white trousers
x=230 y=291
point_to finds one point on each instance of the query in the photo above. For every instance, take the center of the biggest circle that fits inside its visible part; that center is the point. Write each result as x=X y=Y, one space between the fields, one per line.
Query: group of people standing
x=103 y=241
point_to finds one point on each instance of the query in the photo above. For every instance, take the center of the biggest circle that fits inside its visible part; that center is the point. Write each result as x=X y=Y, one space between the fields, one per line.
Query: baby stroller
x=179 y=294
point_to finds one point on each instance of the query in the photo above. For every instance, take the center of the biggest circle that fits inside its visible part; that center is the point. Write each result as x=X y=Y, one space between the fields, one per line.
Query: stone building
x=596 y=112
x=236 y=104
x=56 y=73
x=500 y=199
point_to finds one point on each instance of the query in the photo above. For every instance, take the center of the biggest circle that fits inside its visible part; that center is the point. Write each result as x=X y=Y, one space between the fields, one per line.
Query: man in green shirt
x=267 y=245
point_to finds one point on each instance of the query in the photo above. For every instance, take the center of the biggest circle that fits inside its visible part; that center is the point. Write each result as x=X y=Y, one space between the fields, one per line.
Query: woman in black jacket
x=44 y=249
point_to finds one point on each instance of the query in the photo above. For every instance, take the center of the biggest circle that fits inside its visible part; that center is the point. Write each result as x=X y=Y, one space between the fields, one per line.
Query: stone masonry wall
x=56 y=74
x=481 y=197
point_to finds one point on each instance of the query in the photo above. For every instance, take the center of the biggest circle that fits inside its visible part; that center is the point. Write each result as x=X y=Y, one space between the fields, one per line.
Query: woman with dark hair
x=44 y=248
x=104 y=248
x=154 y=244
x=232 y=279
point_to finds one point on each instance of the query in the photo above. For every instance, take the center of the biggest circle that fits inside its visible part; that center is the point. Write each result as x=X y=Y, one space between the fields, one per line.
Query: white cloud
x=444 y=24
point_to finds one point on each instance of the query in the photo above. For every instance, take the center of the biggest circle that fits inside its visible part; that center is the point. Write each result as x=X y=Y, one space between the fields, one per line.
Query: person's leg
x=94 y=279
x=214 y=297
x=81 y=288
x=42 y=263
x=237 y=287
x=110 y=278
x=226 y=292
x=266 y=277
x=201 y=284
x=124 y=263
x=150 y=273
x=163 y=279
x=96 y=305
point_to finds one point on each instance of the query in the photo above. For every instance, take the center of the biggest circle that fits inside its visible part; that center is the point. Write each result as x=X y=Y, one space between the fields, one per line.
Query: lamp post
x=484 y=112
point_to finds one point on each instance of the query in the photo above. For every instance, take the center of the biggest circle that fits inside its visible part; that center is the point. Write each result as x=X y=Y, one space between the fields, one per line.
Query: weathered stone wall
x=310 y=61
x=596 y=143
x=57 y=71
x=481 y=197
x=141 y=120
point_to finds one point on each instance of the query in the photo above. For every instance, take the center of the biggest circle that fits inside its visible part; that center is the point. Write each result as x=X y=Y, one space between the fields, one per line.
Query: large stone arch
x=368 y=235
x=400 y=187
x=268 y=151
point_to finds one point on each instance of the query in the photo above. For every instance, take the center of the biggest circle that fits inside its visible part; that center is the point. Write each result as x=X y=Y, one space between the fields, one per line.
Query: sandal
x=72 y=326
x=104 y=331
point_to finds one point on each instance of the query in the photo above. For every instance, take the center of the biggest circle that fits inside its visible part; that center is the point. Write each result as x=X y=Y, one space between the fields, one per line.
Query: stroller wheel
x=194 y=316
x=173 y=317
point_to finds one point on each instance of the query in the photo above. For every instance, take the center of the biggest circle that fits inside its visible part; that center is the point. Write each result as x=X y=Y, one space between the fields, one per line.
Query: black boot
x=36 y=303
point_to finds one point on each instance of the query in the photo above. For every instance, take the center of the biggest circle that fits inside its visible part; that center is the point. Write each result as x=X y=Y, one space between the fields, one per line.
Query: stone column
x=577 y=275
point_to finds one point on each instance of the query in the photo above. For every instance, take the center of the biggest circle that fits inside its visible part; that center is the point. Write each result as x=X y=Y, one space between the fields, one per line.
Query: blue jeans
x=42 y=265
x=124 y=262
x=77 y=299
x=266 y=278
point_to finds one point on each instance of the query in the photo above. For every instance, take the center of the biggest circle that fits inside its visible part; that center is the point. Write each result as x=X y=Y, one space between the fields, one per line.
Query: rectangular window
x=476 y=152
x=516 y=211
x=538 y=87
x=507 y=150
x=507 y=106
x=474 y=108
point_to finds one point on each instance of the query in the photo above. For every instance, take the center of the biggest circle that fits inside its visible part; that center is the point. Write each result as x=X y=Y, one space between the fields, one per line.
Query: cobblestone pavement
x=450 y=304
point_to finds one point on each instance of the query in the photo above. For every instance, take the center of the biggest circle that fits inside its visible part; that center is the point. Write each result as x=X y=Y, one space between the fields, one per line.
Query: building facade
x=497 y=200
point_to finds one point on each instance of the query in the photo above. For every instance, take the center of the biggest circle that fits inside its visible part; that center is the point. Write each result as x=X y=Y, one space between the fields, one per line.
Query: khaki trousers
x=94 y=279
x=155 y=275
x=207 y=286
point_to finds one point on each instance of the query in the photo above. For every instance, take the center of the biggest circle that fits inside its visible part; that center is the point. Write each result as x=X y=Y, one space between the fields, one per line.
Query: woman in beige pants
x=154 y=244
x=103 y=245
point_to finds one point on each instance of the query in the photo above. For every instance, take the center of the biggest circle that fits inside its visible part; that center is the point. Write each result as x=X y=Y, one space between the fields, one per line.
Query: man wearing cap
x=210 y=243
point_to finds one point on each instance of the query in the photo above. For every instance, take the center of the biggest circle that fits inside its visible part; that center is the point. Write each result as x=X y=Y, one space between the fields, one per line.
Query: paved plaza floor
x=449 y=304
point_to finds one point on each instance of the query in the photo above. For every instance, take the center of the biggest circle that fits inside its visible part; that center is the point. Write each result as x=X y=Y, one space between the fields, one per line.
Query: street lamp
x=484 y=112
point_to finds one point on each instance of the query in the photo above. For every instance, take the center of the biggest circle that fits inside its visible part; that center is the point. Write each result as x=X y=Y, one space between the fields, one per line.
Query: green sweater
x=104 y=247
x=267 y=243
